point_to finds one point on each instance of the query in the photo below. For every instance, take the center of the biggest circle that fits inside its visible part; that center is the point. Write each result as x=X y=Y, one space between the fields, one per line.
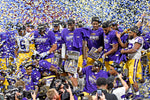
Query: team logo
x=71 y=33
x=93 y=34
x=56 y=34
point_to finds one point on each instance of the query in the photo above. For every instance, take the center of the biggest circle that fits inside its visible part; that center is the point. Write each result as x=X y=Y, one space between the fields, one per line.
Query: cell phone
x=99 y=93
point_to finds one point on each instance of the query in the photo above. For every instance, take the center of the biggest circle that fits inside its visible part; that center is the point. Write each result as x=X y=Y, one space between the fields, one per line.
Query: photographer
x=64 y=88
x=19 y=92
x=52 y=94
x=120 y=91
x=102 y=85
x=32 y=94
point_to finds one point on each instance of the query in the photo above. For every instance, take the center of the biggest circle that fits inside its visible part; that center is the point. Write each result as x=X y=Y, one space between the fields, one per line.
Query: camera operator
x=33 y=96
x=64 y=88
x=21 y=93
x=120 y=91
x=102 y=85
x=92 y=73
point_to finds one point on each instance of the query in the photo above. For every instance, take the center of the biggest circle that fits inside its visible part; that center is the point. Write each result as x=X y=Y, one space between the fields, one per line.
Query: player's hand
x=100 y=49
x=84 y=62
x=118 y=35
x=122 y=51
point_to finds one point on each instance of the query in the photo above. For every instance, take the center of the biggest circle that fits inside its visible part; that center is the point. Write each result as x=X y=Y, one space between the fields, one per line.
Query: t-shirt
x=121 y=57
x=109 y=40
x=4 y=47
x=80 y=34
x=91 y=77
x=11 y=43
x=58 y=39
x=67 y=38
x=43 y=43
x=146 y=38
x=119 y=92
x=29 y=84
x=96 y=39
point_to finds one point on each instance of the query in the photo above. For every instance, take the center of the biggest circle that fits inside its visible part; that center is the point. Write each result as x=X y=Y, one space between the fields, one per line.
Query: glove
x=84 y=62
x=35 y=54
x=44 y=54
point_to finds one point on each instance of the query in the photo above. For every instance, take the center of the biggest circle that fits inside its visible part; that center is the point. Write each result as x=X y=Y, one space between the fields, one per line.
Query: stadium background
x=41 y=11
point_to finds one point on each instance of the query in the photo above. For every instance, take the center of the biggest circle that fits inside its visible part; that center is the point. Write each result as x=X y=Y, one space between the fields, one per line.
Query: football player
x=134 y=49
x=22 y=46
x=110 y=44
x=56 y=30
x=96 y=38
x=45 y=42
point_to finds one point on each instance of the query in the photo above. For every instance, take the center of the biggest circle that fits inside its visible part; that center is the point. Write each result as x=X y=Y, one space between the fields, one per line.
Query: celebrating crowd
x=69 y=61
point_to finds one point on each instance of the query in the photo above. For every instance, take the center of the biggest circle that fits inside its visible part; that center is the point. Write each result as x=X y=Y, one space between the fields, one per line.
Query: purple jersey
x=96 y=38
x=120 y=29
x=4 y=49
x=29 y=84
x=11 y=43
x=67 y=38
x=91 y=77
x=36 y=76
x=146 y=38
x=44 y=66
x=109 y=40
x=58 y=39
x=80 y=34
x=121 y=57
x=43 y=43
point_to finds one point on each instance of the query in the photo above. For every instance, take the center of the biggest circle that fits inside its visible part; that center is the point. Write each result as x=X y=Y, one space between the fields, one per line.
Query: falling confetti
x=43 y=11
